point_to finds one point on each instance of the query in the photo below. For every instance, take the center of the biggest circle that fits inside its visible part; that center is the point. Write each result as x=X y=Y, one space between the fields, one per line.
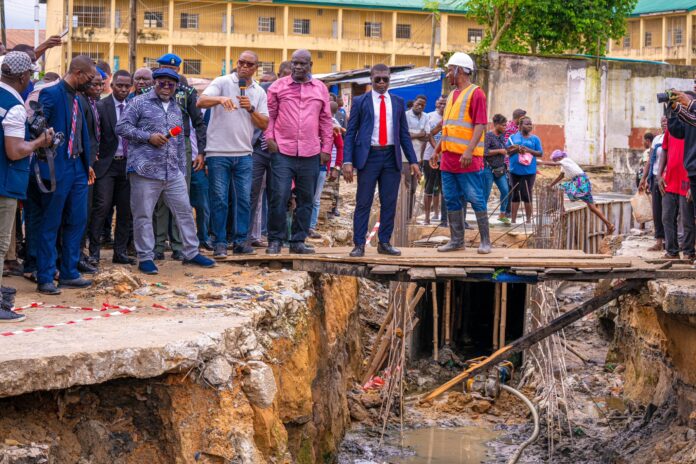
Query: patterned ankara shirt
x=144 y=116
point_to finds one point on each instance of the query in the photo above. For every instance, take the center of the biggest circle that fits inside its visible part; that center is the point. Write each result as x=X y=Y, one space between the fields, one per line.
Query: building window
x=320 y=55
x=192 y=66
x=300 y=26
x=150 y=63
x=266 y=67
x=373 y=30
x=224 y=24
x=627 y=42
x=648 y=39
x=334 y=29
x=475 y=35
x=117 y=19
x=154 y=20
x=403 y=31
x=678 y=39
x=89 y=16
x=266 y=24
x=94 y=56
x=189 y=21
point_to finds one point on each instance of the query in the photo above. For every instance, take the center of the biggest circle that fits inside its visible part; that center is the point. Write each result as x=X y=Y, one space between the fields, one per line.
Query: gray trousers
x=162 y=215
x=8 y=207
x=673 y=206
x=144 y=195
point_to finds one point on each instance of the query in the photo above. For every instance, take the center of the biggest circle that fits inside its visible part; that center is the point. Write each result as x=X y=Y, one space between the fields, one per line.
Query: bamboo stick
x=436 y=341
x=448 y=296
x=496 y=315
x=503 y=312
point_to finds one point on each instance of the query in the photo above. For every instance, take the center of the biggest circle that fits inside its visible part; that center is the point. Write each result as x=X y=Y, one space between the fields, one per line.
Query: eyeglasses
x=166 y=84
x=246 y=64
x=380 y=79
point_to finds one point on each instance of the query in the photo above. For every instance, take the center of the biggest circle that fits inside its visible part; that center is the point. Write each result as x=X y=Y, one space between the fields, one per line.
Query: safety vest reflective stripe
x=455 y=122
x=449 y=138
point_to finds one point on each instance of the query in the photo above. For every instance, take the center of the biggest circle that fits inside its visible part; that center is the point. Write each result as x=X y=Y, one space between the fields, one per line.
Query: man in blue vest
x=14 y=161
x=66 y=207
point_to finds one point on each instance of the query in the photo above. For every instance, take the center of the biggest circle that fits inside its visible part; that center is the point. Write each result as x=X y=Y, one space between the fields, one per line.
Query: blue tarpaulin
x=432 y=90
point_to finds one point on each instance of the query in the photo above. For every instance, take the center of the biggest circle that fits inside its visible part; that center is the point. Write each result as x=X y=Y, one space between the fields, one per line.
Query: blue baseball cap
x=169 y=59
x=165 y=72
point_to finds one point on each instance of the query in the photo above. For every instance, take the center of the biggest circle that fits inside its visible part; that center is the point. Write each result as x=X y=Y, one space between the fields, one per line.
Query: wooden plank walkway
x=502 y=265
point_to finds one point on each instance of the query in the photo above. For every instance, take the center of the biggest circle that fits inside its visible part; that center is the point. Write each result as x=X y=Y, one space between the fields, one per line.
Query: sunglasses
x=380 y=79
x=246 y=64
x=166 y=84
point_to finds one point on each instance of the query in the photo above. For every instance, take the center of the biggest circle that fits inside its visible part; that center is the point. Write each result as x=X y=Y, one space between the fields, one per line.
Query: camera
x=665 y=97
x=37 y=126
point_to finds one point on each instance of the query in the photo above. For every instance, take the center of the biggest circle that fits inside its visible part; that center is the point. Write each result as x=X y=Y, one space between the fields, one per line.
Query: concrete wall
x=586 y=110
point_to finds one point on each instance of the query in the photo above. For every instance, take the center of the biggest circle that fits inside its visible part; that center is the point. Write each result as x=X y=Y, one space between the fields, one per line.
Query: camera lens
x=662 y=97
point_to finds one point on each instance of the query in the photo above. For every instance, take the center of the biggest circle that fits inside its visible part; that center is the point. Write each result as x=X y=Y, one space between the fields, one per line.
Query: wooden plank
x=450 y=272
x=560 y=271
x=384 y=269
x=480 y=270
x=354 y=270
x=422 y=273
x=590 y=270
x=527 y=273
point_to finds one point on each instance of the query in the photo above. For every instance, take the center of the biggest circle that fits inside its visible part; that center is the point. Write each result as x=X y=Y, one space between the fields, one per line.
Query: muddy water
x=461 y=445
x=464 y=445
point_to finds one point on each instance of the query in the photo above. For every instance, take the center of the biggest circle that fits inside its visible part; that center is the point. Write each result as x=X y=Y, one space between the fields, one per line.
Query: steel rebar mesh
x=548 y=231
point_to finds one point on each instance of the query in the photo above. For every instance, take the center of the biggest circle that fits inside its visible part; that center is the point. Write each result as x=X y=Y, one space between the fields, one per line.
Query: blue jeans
x=460 y=188
x=200 y=202
x=317 y=199
x=230 y=174
x=304 y=171
x=502 y=184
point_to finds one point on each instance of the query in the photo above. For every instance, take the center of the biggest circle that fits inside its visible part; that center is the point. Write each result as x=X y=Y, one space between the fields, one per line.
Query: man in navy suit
x=66 y=207
x=377 y=133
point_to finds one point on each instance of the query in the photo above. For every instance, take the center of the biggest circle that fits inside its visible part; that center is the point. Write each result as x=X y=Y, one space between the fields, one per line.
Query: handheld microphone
x=242 y=86
x=173 y=132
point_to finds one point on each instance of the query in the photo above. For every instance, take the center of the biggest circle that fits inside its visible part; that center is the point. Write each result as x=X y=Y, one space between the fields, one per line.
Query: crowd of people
x=239 y=167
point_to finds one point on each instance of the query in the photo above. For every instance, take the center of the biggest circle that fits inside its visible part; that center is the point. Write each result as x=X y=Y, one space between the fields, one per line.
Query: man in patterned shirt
x=156 y=165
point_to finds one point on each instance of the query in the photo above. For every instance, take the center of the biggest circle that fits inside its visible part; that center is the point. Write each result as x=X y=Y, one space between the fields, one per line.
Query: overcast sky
x=19 y=14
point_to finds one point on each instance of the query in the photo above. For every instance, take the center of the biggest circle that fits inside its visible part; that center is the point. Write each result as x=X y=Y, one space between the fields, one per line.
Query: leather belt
x=381 y=147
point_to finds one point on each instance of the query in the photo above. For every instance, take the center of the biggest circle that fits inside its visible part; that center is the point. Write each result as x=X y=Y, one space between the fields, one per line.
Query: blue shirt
x=533 y=142
x=144 y=116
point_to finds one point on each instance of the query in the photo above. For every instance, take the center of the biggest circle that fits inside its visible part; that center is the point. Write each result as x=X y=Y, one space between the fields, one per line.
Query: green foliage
x=433 y=6
x=550 y=26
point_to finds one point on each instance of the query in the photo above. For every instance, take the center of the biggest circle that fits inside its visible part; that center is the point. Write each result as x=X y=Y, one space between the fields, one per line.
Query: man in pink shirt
x=300 y=136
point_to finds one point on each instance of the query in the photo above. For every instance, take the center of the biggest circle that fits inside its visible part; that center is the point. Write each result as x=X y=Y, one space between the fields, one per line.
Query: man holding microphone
x=238 y=105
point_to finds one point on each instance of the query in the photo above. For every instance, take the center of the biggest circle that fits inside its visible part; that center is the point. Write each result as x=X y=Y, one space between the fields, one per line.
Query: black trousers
x=112 y=188
x=676 y=206
x=657 y=210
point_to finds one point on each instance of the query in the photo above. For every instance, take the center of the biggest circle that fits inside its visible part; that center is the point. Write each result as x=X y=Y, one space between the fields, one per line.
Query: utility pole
x=432 y=41
x=2 y=22
x=132 y=36
x=36 y=34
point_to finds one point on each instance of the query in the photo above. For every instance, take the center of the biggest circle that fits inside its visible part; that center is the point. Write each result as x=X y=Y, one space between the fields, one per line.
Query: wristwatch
x=252 y=109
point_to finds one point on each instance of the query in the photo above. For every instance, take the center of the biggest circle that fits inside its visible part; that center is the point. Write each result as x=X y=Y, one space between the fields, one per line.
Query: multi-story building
x=342 y=35
x=659 y=30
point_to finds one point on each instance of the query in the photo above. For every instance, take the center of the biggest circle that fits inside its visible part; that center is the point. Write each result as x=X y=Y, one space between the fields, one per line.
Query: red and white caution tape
x=372 y=234
x=120 y=311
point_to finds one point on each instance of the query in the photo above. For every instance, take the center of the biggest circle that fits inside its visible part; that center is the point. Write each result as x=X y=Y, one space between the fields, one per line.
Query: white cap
x=461 y=60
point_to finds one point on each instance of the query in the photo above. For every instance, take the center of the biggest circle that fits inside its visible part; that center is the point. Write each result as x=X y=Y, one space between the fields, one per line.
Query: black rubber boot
x=484 y=231
x=456 y=225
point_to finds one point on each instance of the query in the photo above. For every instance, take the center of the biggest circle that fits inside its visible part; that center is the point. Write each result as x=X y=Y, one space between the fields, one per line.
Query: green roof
x=448 y=6
x=646 y=7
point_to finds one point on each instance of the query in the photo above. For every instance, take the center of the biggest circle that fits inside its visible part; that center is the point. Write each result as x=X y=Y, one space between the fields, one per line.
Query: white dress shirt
x=119 y=149
x=376 y=102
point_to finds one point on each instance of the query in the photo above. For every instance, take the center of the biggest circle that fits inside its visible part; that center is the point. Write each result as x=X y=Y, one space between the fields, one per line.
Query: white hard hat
x=462 y=60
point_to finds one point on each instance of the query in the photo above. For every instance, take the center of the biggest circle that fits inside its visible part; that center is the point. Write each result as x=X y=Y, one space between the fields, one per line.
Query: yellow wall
x=363 y=60
x=321 y=25
x=458 y=33
x=354 y=24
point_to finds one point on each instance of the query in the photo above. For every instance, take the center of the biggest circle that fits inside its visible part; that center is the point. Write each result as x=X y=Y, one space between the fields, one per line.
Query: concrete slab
x=208 y=311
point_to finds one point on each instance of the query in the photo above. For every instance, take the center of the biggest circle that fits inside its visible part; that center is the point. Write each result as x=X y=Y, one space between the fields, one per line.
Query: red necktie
x=382 y=121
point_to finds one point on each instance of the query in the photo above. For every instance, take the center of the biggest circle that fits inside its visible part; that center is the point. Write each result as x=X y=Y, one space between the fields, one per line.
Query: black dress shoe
x=207 y=246
x=274 y=248
x=358 y=251
x=159 y=256
x=86 y=268
x=177 y=256
x=387 y=249
x=299 y=248
x=122 y=258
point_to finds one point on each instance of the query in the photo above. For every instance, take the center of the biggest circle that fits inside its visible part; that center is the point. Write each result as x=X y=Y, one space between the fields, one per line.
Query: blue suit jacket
x=361 y=123
x=57 y=105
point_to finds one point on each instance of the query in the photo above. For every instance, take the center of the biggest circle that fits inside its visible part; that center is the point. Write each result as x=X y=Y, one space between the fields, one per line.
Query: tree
x=550 y=26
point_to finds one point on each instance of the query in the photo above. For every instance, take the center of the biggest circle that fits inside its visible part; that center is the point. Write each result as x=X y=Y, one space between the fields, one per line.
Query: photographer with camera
x=14 y=161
